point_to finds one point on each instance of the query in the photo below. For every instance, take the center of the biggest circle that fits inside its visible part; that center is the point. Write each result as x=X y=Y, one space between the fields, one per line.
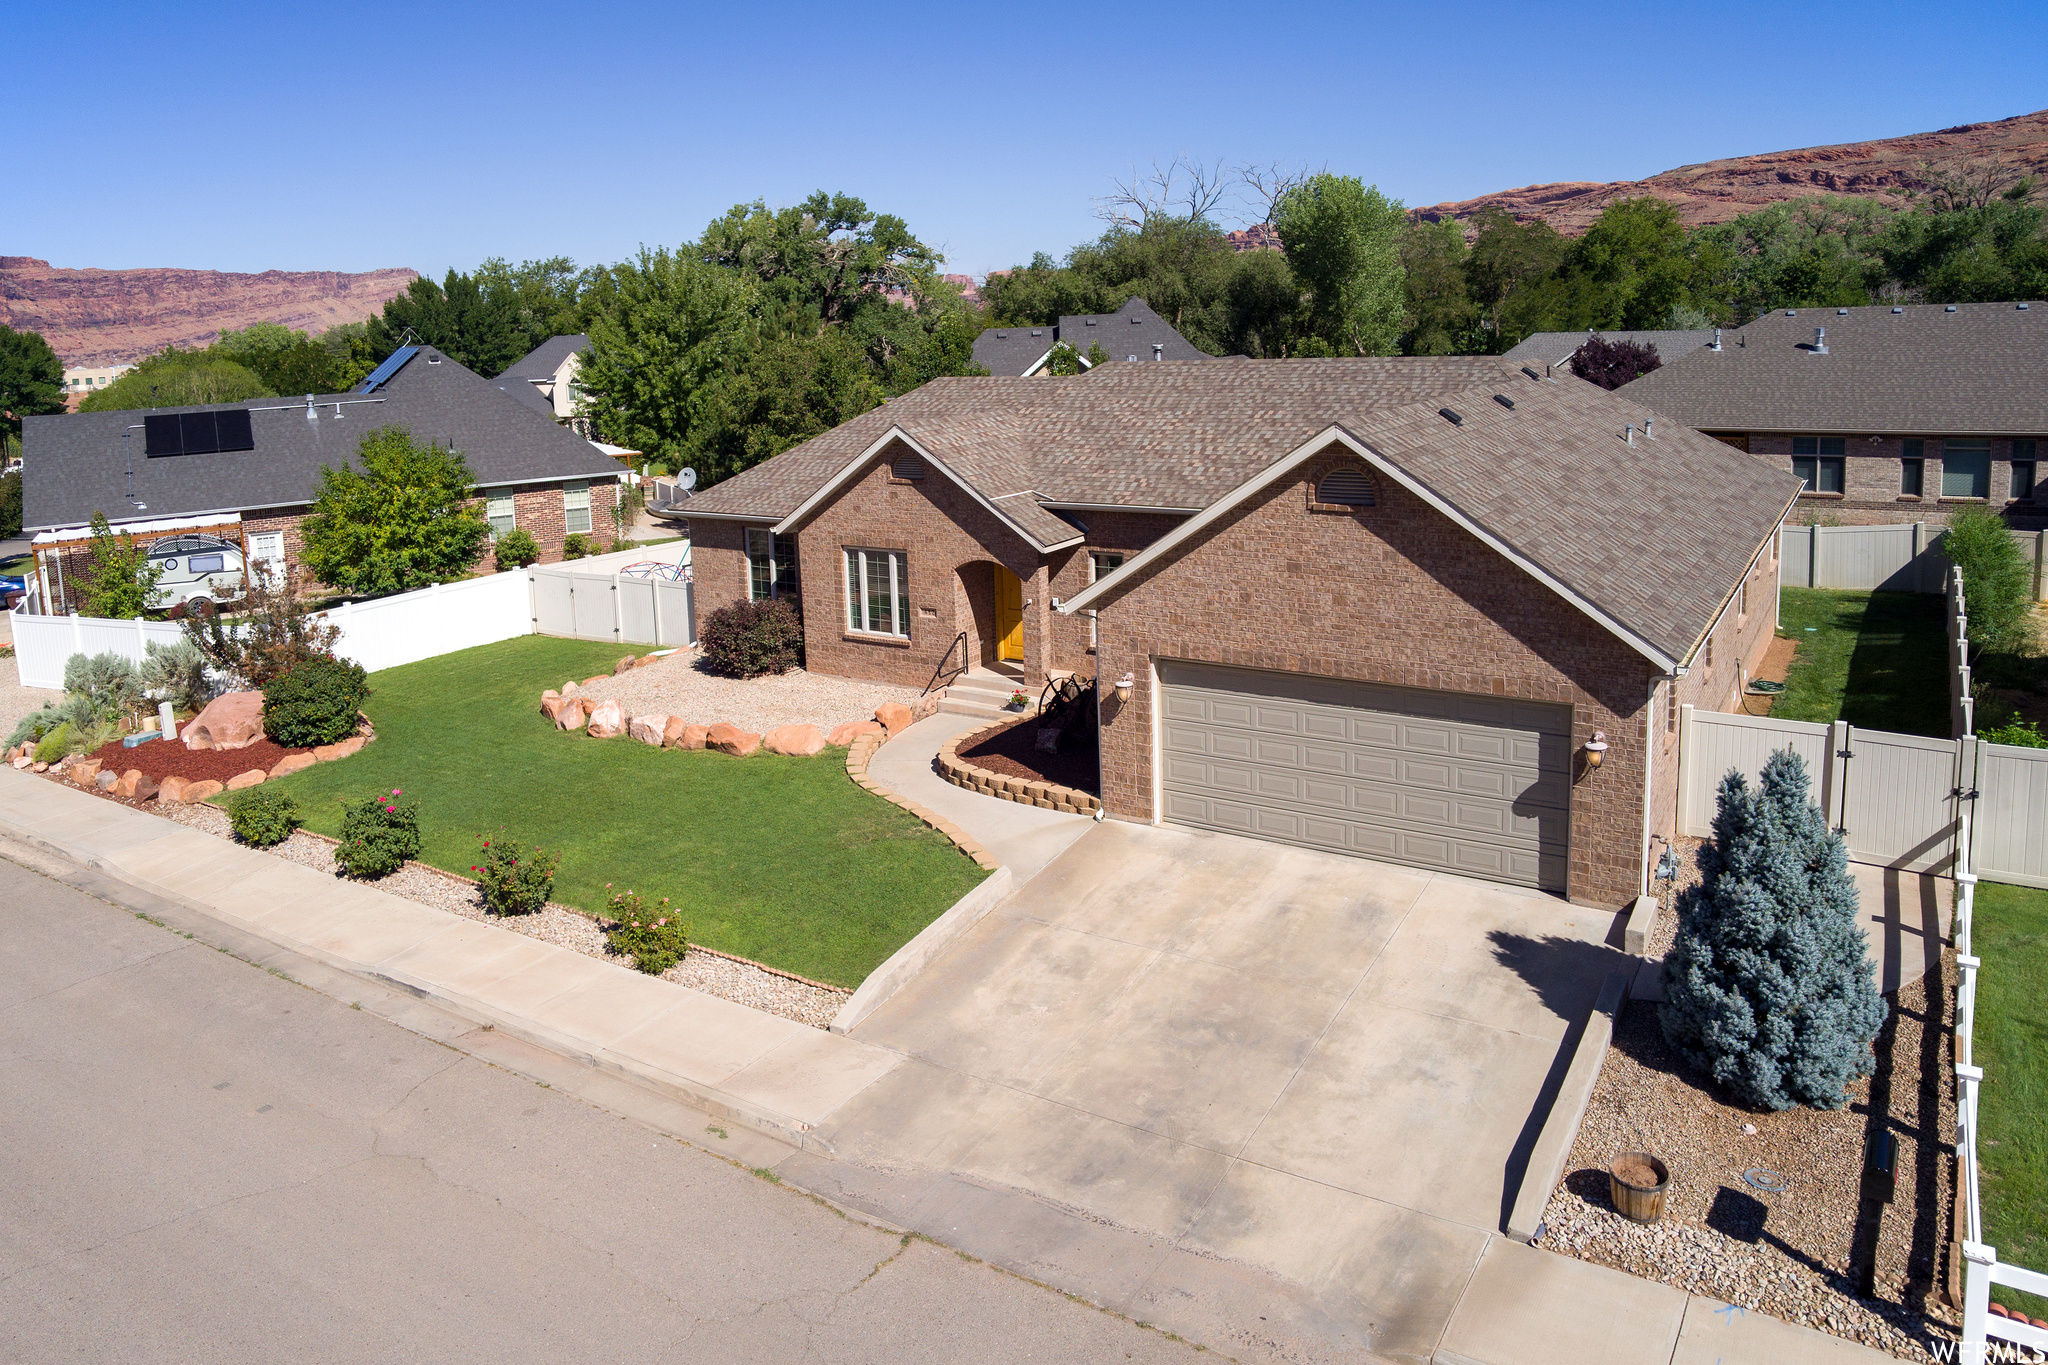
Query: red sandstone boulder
x=730 y=739
x=242 y=781
x=926 y=705
x=292 y=763
x=82 y=772
x=649 y=729
x=894 y=716
x=608 y=721
x=184 y=791
x=135 y=785
x=624 y=665
x=233 y=720
x=594 y=681
x=673 y=731
x=572 y=715
x=846 y=734
x=571 y=688
x=106 y=780
x=690 y=737
x=797 y=741
x=352 y=744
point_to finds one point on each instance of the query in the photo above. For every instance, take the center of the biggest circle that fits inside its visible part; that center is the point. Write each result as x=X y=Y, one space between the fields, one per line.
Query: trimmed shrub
x=262 y=816
x=109 y=683
x=377 y=835
x=517 y=549
x=750 y=639
x=577 y=545
x=1998 y=582
x=314 y=702
x=655 y=939
x=176 y=673
x=1766 y=988
x=515 y=880
x=56 y=744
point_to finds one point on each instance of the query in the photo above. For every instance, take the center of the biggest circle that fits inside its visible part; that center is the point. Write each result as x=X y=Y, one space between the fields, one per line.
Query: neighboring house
x=248 y=472
x=545 y=378
x=1558 y=348
x=1374 y=606
x=81 y=384
x=1132 y=332
x=1888 y=413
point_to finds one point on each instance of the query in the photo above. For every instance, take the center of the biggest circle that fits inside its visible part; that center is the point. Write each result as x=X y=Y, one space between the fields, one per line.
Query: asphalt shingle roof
x=543 y=360
x=1656 y=534
x=76 y=464
x=1961 y=370
x=1555 y=348
x=1129 y=333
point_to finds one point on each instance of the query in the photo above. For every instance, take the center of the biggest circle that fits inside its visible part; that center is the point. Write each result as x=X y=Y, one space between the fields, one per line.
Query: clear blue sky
x=243 y=137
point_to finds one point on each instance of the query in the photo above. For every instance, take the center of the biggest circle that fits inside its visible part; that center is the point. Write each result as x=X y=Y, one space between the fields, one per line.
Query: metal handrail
x=959 y=640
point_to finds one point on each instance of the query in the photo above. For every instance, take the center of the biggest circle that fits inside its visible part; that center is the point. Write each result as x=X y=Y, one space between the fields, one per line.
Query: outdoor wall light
x=1596 y=749
x=1124 y=686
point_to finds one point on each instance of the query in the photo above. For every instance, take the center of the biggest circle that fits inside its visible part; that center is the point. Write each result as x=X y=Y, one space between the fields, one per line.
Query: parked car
x=193 y=566
x=13 y=587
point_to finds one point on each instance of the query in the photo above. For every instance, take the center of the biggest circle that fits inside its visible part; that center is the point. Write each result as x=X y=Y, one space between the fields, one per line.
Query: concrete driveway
x=1232 y=1073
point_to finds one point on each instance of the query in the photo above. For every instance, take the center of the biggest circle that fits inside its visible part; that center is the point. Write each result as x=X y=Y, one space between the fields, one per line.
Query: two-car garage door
x=1469 y=784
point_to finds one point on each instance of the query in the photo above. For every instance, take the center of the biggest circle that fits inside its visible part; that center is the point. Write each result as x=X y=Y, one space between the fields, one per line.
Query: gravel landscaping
x=678 y=686
x=733 y=979
x=1785 y=1252
x=17 y=701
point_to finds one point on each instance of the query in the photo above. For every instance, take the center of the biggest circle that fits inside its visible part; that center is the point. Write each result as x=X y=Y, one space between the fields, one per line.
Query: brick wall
x=1124 y=533
x=1871 y=483
x=1393 y=594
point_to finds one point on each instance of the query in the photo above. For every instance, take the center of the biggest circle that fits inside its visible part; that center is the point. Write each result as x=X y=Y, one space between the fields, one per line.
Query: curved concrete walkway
x=1021 y=838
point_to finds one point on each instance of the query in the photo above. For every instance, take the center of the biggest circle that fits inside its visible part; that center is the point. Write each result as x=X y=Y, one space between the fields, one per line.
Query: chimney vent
x=1650 y=427
x=1159 y=350
x=1630 y=434
x=1820 y=341
x=1717 y=340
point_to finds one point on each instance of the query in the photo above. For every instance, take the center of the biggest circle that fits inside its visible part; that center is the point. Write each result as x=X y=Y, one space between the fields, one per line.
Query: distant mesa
x=112 y=317
x=1716 y=191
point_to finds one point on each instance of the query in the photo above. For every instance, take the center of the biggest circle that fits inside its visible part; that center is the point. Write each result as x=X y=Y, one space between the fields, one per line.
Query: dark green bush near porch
x=262 y=816
x=314 y=702
x=377 y=835
x=750 y=639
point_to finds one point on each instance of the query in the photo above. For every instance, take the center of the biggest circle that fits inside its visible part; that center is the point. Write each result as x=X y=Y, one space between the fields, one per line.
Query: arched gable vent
x=908 y=465
x=1348 y=486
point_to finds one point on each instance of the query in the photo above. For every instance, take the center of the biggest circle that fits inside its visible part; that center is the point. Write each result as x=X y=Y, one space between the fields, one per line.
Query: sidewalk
x=1022 y=838
x=1518 y=1305
x=756 y=1069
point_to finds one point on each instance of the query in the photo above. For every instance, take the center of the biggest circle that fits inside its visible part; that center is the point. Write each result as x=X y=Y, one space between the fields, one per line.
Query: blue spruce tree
x=1766 y=988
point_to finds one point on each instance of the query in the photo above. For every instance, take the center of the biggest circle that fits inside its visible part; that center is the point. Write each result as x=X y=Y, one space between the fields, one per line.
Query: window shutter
x=1346 y=487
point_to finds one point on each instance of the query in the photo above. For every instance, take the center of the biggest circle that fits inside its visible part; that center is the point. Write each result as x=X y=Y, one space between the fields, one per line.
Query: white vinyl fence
x=1902 y=558
x=588 y=599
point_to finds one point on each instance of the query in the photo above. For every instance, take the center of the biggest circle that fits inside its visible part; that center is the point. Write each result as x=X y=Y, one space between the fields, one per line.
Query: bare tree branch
x=1971 y=184
x=1263 y=187
x=1182 y=188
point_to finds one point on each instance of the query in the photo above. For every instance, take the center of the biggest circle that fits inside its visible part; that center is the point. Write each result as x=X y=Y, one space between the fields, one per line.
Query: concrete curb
x=1561 y=1129
x=906 y=962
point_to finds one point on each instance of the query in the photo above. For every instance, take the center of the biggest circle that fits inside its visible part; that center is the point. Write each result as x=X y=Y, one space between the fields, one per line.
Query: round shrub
x=263 y=816
x=515 y=880
x=314 y=702
x=655 y=938
x=516 y=549
x=749 y=639
x=56 y=744
x=377 y=835
x=577 y=545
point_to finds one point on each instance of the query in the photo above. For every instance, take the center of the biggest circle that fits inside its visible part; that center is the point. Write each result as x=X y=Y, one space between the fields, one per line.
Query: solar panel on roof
x=392 y=365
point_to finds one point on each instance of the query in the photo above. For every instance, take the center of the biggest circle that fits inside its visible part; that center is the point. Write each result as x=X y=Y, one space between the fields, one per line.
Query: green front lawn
x=778 y=859
x=1875 y=659
x=2010 y=934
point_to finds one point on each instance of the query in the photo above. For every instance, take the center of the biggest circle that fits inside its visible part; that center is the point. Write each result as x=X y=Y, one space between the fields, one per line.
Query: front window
x=1966 y=469
x=576 y=508
x=1818 y=460
x=1100 y=564
x=1912 y=467
x=877 y=592
x=771 y=565
x=498 y=510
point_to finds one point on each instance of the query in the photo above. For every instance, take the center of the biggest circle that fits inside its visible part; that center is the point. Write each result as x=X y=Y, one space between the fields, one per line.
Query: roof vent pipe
x=1630 y=434
x=1159 y=350
x=311 y=416
x=1650 y=428
x=1820 y=341
x=1717 y=340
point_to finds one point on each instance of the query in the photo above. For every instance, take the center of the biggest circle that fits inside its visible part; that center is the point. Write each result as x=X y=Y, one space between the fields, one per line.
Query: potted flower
x=1018 y=701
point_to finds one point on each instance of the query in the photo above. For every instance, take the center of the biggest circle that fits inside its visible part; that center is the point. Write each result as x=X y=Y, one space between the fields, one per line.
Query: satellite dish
x=687 y=478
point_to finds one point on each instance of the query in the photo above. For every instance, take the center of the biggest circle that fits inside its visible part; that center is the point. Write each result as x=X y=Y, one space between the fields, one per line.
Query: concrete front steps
x=983 y=694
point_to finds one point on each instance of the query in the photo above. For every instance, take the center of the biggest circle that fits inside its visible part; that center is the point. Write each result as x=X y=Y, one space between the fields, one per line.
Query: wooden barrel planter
x=1637 y=1183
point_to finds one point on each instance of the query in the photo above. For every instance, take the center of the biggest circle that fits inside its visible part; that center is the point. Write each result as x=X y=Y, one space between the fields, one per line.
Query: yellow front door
x=1009 y=615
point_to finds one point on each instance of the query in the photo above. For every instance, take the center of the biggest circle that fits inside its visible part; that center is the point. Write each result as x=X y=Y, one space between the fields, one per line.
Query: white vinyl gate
x=610 y=606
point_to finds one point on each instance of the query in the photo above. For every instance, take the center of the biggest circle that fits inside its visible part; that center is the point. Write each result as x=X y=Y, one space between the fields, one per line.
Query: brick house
x=248 y=472
x=1888 y=413
x=1378 y=607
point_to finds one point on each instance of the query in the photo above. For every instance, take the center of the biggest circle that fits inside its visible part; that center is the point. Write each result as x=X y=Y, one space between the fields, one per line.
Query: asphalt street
x=204 y=1160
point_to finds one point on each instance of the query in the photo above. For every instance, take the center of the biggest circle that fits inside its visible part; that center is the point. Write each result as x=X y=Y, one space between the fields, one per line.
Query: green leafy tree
x=1264 y=307
x=1343 y=241
x=177 y=379
x=407 y=519
x=472 y=319
x=119 y=581
x=1986 y=254
x=782 y=393
x=1506 y=260
x=1998 y=582
x=1767 y=988
x=10 y=504
x=31 y=378
x=1810 y=253
x=1442 y=318
x=1182 y=268
x=287 y=361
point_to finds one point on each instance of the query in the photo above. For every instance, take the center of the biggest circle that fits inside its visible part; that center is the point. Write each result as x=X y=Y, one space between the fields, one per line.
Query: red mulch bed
x=160 y=759
x=1010 y=751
